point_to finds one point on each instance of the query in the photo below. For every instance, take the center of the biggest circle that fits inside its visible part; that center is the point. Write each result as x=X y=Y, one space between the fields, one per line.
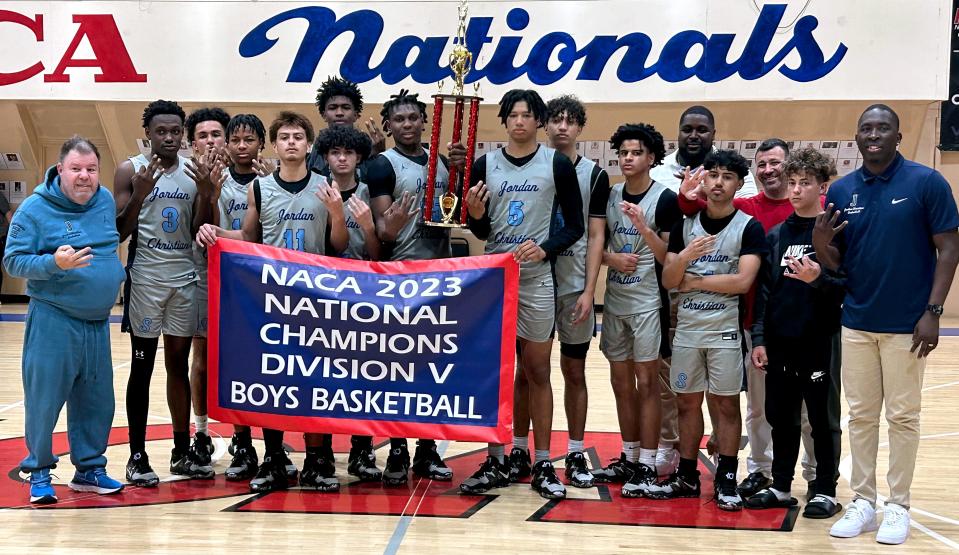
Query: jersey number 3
x=171 y=219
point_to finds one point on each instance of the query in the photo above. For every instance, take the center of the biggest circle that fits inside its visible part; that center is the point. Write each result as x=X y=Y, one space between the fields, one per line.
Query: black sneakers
x=727 y=495
x=397 y=470
x=271 y=475
x=674 y=487
x=546 y=483
x=185 y=463
x=201 y=456
x=363 y=465
x=519 y=464
x=427 y=463
x=643 y=478
x=139 y=472
x=752 y=484
x=577 y=471
x=319 y=472
x=491 y=474
x=618 y=471
x=244 y=464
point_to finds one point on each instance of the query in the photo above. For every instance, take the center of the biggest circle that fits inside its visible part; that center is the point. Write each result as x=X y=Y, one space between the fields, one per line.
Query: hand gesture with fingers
x=476 y=199
x=376 y=136
x=457 y=155
x=199 y=168
x=622 y=262
x=67 y=258
x=218 y=177
x=207 y=235
x=145 y=179
x=825 y=228
x=699 y=246
x=263 y=167
x=331 y=198
x=400 y=212
x=692 y=185
x=804 y=269
x=635 y=215
x=361 y=213
x=529 y=251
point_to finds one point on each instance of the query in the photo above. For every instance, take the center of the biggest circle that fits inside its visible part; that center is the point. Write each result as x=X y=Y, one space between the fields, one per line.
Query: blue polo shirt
x=887 y=249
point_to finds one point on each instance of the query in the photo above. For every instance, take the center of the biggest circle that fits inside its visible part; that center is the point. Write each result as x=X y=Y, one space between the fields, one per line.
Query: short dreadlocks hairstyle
x=644 y=133
x=729 y=159
x=205 y=114
x=404 y=98
x=337 y=86
x=809 y=161
x=160 y=108
x=530 y=97
x=572 y=106
x=344 y=137
x=246 y=121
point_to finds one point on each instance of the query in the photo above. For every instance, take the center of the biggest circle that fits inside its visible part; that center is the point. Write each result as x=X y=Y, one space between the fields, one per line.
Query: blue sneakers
x=96 y=481
x=41 y=491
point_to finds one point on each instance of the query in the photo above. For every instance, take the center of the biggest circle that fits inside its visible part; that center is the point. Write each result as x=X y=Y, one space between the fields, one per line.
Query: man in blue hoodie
x=64 y=240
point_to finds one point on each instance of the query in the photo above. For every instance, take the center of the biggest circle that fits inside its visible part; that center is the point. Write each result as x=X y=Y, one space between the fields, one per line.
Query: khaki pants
x=879 y=369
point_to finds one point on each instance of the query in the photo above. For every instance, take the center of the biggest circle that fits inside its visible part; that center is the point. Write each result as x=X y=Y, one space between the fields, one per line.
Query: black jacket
x=790 y=308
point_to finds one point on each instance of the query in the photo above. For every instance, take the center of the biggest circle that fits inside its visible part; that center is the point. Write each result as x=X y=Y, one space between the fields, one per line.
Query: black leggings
x=789 y=382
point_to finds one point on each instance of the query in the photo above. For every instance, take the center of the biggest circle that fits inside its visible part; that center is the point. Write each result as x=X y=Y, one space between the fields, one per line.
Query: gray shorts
x=695 y=369
x=636 y=337
x=201 y=307
x=569 y=333
x=537 y=308
x=155 y=309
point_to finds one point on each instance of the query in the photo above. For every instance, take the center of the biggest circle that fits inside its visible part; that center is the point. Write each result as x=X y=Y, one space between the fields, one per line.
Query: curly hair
x=160 y=108
x=532 y=99
x=344 y=137
x=644 y=133
x=572 y=106
x=404 y=98
x=205 y=114
x=729 y=159
x=809 y=161
x=292 y=119
x=337 y=86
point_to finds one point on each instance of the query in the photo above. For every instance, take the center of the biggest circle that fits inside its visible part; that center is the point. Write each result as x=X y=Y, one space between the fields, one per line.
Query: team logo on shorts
x=681 y=380
x=146 y=324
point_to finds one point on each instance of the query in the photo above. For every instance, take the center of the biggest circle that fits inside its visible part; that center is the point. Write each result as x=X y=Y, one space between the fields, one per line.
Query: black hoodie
x=789 y=308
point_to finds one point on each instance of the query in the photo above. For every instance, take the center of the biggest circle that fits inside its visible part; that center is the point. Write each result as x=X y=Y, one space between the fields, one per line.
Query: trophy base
x=445 y=224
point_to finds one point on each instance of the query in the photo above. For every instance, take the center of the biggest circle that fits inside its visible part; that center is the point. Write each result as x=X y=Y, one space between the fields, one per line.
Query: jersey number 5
x=515 y=216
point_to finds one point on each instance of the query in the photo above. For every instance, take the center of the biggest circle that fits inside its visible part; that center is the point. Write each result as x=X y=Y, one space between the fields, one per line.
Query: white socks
x=202 y=424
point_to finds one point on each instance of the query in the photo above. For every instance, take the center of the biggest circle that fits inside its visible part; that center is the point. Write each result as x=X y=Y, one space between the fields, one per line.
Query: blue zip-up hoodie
x=47 y=220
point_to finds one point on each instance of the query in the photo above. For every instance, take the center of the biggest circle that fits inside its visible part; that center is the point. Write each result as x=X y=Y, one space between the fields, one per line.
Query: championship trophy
x=452 y=202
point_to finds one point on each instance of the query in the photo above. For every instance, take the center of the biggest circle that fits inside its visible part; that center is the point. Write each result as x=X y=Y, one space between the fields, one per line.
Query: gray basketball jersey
x=417 y=241
x=293 y=221
x=521 y=204
x=571 y=263
x=164 y=251
x=638 y=292
x=704 y=318
x=356 y=249
x=232 y=203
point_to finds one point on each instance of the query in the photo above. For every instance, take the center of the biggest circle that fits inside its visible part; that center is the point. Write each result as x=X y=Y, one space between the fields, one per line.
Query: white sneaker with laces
x=895 y=525
x=667 y=461
x=860 y=516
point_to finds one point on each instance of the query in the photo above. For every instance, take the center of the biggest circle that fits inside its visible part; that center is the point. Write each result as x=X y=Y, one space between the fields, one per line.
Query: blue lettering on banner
x=309 y=341
x=429 y=60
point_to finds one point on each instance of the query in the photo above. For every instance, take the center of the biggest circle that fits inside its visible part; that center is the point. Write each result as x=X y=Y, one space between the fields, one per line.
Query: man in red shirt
x=770 y=206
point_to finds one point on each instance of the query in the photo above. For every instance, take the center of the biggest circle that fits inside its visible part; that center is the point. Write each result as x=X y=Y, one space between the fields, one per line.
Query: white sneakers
x=860 y=516
x=895 y=525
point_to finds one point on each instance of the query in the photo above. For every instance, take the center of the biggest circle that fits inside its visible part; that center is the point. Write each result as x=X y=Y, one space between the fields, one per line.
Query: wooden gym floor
x=430 y=517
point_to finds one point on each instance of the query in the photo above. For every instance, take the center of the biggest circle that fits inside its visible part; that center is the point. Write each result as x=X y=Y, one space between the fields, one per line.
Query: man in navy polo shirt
x=896 y=241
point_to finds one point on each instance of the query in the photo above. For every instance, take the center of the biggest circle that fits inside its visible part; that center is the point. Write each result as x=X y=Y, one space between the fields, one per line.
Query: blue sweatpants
x=66 y=360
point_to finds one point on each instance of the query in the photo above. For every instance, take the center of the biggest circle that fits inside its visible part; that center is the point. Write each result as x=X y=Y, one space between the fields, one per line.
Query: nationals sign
x=602 y=50
x=311 y=343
